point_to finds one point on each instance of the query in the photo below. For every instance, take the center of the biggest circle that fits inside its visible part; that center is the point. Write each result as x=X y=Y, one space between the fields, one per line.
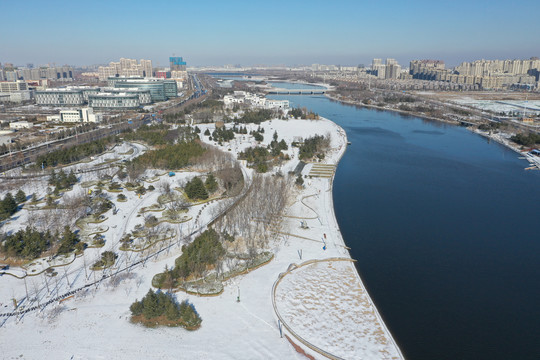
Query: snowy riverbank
x=94 y=323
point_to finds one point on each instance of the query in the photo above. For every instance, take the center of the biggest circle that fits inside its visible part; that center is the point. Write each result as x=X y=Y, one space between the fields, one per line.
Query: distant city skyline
x=284 y=32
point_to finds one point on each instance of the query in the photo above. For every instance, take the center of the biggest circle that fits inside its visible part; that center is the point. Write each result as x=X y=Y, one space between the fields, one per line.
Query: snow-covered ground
x=94 y=323
x=506 y=106
x=325 y=304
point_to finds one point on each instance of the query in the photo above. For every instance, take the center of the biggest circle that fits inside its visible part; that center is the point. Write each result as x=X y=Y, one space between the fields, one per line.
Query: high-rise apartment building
x=177 y=63
x=127 y=68
x=392 y=69
x=378 y=68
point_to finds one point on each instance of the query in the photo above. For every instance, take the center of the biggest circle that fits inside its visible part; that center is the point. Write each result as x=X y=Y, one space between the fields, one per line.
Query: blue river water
x=445 y=227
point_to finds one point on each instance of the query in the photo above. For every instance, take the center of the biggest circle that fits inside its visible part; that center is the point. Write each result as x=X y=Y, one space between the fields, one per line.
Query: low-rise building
x=60 y=97
x=12 y=86
x=160 y=89
x=144 y=95
x=242 y=97
x=80 y=115
x=277 y=104
x=121 y=101
x=16 y=96
x=16 y=125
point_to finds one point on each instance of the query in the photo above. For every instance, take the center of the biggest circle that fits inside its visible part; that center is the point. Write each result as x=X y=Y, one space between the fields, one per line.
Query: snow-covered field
x=505 y=106
x=325 y=304
x=94 y=323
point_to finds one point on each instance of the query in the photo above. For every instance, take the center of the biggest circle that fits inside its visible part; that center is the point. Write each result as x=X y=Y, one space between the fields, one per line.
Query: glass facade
x=160 y=89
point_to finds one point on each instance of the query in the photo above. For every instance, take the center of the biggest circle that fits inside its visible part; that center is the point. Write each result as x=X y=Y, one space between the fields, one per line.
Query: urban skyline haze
x=281 y=32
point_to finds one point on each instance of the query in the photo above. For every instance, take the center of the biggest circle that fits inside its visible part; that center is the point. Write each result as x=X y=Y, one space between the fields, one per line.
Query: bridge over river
x=278 y=91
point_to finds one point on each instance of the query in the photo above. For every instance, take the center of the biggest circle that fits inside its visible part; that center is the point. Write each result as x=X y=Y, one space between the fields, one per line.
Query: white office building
x=80 y=115
x=60 y=97
x=120 y=101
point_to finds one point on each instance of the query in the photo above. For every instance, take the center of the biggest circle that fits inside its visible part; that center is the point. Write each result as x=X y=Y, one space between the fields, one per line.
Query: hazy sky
x=267 y=32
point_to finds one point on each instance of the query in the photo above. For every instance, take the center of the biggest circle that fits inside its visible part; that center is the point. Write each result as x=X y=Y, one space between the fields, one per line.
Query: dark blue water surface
x=445 y=228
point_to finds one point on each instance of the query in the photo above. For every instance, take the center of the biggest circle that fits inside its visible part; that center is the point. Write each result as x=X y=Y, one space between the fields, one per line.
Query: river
x=444 y=225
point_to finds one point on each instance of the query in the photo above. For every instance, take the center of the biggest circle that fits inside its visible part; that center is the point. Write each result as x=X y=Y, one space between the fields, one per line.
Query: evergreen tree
x=20 y=197
x=52 y=178
x=211 y=183
x=69 y=239
x=195 y=189
x=50 y=201
x=72 y=179
x=8 y=206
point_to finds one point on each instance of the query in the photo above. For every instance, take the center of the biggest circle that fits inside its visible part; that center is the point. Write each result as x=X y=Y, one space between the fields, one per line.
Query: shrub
x=108 y=258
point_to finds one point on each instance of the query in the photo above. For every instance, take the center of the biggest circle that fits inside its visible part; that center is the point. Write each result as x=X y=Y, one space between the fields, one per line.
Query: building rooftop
x=113 y=95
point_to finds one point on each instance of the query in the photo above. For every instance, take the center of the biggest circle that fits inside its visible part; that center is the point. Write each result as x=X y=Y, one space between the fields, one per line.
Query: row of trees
x=530 y=139
x=74 y=153
x=156 y=305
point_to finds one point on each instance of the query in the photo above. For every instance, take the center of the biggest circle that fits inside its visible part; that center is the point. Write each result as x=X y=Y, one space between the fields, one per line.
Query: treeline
x=74 y=153
x=529 y=139
x=170 y=157
x=395 y=98
x=161 y=308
